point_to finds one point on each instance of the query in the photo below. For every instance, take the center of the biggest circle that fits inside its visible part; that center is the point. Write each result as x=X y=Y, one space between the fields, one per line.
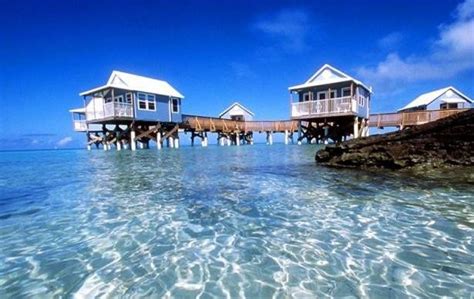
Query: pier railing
x=213 y=124
x=404 y=119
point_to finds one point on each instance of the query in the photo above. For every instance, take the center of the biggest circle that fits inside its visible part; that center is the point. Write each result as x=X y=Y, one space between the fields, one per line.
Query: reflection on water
x=253 y=221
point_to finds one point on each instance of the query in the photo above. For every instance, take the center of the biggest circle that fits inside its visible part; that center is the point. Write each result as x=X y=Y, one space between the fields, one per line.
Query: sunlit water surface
x=251 y=221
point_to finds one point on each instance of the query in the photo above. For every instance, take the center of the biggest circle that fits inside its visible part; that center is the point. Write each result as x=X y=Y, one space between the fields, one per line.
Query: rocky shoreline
x=446 y=142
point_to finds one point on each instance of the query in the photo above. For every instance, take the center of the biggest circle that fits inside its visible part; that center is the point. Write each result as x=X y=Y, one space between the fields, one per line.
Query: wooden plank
x=171 y=132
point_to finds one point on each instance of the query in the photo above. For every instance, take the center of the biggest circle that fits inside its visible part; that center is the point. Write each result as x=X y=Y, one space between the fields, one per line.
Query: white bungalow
x=331 y=98
x=441 y=99
x=237 y=111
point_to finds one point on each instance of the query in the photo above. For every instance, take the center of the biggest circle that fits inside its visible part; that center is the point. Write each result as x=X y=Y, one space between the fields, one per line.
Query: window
x=322 y=95
x=108 y=100
x=448 y=106
x=146 y=101
x=361 y=101
x=175 y=105
x=118 y=99
x=346 y=92
x=306 y=96
x=151 y=102
x=332 y=94
x=128 y=98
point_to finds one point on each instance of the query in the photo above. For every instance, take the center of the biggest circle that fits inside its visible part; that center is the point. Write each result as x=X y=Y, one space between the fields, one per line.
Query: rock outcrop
x=448 y=141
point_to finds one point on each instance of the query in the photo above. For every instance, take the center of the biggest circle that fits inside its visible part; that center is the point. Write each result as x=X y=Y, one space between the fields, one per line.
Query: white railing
x=113 y=109
x=99 y=110
x=335 y=106
x=80 y=125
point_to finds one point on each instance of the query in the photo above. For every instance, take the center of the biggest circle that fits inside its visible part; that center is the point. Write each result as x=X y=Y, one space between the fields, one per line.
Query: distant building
x=441 y=99
x=333 y=101
x=237 y=111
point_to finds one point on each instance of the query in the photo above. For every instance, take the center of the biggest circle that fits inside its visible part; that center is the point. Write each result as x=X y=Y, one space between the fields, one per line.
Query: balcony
x=324 y=108
x=98 y=110
x=80 y=125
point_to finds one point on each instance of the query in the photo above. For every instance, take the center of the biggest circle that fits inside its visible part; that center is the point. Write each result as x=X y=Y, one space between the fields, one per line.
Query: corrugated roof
x=429 y=97
x=133 y=82
x=343 y=77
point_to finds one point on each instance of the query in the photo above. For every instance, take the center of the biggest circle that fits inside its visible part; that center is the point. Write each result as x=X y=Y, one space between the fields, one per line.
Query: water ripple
x=248 y=222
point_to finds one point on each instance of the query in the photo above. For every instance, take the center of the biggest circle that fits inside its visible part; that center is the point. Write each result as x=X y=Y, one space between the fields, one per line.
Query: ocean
x=229 y=222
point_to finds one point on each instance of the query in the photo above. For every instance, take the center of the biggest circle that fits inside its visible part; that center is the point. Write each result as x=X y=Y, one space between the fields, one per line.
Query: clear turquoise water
x=250 y=221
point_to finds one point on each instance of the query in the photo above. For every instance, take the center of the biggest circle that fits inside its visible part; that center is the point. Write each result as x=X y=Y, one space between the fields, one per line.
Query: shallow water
x=252 y=221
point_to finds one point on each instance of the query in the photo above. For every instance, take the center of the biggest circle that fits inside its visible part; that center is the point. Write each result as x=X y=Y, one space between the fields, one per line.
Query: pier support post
x=171 y=142
x=229 y=142
x=133 y=143
x=356 y=127
x=158 y=140
x=118 y=144
x=366 y=129
x=89 y=147
x=286 y=137
x=222 y=141
x=269 y=138
x=176 y=142
x=326 y=133
x=237 y=138
x=299 y=132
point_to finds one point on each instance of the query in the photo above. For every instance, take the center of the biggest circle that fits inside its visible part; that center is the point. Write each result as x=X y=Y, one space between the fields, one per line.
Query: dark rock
x=448 y=141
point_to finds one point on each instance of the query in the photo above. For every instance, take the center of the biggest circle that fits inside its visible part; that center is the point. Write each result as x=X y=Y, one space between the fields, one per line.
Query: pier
x=129 y=111
x=402 y=120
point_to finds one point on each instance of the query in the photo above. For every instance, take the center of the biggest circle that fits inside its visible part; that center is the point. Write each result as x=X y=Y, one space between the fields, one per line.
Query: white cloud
x=451 y=53
x=64 y=141
x=289 y=28
x=391 y=40
x=465 y=10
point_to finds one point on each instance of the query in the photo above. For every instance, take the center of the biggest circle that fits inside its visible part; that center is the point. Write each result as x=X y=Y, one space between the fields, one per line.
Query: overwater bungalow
x=331 y=104
x=138 y=108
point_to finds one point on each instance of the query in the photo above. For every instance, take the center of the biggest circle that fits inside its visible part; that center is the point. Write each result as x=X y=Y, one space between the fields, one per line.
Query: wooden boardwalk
x=214 y=124
x=408 y=119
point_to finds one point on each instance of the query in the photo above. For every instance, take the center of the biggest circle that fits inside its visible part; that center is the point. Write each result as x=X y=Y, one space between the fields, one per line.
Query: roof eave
x=90 y=91
x=308 y=85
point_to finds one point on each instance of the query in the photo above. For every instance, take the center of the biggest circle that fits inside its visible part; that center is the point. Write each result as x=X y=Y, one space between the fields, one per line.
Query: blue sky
x=217 y=52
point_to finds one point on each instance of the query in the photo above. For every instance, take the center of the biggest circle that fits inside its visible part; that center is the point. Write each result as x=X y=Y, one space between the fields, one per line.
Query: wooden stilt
x=133 y=143
x=176 y=142
x=356 y=127
x=269 y=138
x=158 y=140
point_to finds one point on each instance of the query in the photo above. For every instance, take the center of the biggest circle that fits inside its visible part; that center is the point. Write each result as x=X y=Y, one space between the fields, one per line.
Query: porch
x=325 y=108
x=101 y=110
